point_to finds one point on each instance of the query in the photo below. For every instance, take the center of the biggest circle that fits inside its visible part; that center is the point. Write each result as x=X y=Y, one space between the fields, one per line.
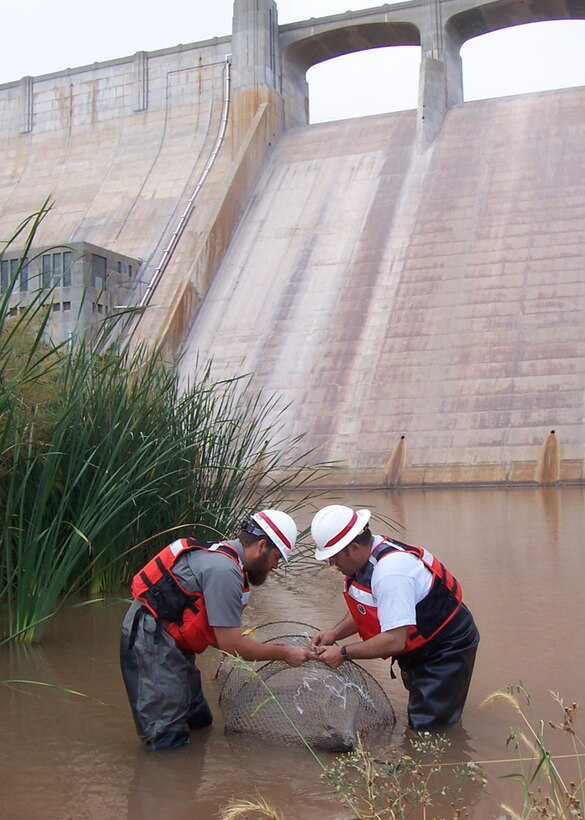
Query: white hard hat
x=334 y=527
x=279 y=527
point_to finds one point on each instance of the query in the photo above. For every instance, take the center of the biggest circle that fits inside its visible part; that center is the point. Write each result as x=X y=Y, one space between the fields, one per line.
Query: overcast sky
x=41 y=36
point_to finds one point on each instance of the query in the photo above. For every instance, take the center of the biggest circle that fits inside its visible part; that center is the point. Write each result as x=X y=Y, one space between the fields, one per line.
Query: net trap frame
x=326 y=708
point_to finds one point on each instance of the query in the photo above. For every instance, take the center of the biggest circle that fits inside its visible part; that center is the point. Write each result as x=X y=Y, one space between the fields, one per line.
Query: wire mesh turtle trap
x=327 y=708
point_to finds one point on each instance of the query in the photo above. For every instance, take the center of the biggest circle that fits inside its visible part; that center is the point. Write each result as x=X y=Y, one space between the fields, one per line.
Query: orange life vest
x=182 y=611
x=433 y=612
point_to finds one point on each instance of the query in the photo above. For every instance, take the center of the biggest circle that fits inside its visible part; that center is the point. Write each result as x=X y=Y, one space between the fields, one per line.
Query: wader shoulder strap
x=138 y=615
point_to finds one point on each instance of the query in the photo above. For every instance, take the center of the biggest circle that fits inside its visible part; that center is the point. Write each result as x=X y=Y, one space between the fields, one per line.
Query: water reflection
x=551 y=499
x=156 y=776
x=519 y=556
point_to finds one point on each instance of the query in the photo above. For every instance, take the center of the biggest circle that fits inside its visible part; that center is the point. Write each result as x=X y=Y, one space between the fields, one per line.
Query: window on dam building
x=99 y=267
x=13 y=275
x=522 y=59
x=56 y=269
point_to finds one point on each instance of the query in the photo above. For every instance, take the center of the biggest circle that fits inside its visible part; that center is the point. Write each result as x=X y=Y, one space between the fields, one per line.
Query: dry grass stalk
x=251 y=809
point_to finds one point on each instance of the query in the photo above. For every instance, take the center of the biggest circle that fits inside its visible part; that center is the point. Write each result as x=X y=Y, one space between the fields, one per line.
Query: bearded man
x=188 y=597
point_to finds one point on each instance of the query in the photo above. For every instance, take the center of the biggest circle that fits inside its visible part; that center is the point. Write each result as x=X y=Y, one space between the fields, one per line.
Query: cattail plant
x=103 y=458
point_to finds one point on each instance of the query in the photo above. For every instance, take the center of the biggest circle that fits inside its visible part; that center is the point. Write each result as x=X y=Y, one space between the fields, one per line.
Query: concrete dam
x=422 y=313
x=411 y=285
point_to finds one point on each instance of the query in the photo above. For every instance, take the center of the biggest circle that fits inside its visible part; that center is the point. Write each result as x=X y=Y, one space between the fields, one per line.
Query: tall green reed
x=547 y=791
x=101 y=456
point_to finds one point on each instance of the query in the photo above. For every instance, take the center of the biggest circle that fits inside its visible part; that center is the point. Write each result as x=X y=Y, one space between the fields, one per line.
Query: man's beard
x=256 y=577
x=260 y=572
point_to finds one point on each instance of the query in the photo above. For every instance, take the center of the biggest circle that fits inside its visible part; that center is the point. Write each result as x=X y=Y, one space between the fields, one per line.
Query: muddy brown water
x=520 y=556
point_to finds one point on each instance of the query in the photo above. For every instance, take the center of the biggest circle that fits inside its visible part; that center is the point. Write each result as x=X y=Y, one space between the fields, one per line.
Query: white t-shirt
x=399 y=582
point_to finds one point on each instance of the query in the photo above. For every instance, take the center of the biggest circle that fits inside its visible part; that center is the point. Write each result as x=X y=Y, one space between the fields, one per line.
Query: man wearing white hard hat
x=404 y=604
x=190 y=596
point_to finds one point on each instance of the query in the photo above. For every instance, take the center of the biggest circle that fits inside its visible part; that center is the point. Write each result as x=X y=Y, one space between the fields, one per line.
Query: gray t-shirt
x=218 y=578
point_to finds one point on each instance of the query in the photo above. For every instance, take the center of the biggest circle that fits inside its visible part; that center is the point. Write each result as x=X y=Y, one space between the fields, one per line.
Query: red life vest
x=183 y=611
x=433 y=612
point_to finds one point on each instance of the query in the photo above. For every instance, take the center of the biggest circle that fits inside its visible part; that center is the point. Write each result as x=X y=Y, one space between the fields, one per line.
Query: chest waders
x=437 y=661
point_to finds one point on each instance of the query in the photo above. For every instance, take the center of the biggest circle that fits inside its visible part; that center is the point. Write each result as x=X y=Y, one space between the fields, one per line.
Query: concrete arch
x=483 y=19
x=328 y=43
x=439 y=27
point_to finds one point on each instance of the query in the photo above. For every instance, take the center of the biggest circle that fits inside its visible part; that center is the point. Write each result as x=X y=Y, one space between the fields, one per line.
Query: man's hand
x=324 y=638
x=296 y=655
x=327 y=637
x=331 y=655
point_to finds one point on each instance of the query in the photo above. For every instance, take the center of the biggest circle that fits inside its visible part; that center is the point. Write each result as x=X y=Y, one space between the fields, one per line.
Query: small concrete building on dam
x=410 y=285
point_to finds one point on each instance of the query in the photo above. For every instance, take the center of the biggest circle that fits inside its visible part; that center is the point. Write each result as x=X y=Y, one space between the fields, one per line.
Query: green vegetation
x=421 y=784
x=103 y=459
x=417 y=782
x=546 y=793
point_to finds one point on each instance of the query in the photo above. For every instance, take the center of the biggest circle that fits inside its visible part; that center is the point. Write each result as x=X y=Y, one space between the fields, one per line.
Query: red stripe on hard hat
x=343 y=532
x=280 y=534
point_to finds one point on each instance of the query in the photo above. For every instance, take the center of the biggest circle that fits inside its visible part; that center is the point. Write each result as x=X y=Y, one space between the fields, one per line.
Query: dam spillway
x=430 y=298
x=410 y=285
